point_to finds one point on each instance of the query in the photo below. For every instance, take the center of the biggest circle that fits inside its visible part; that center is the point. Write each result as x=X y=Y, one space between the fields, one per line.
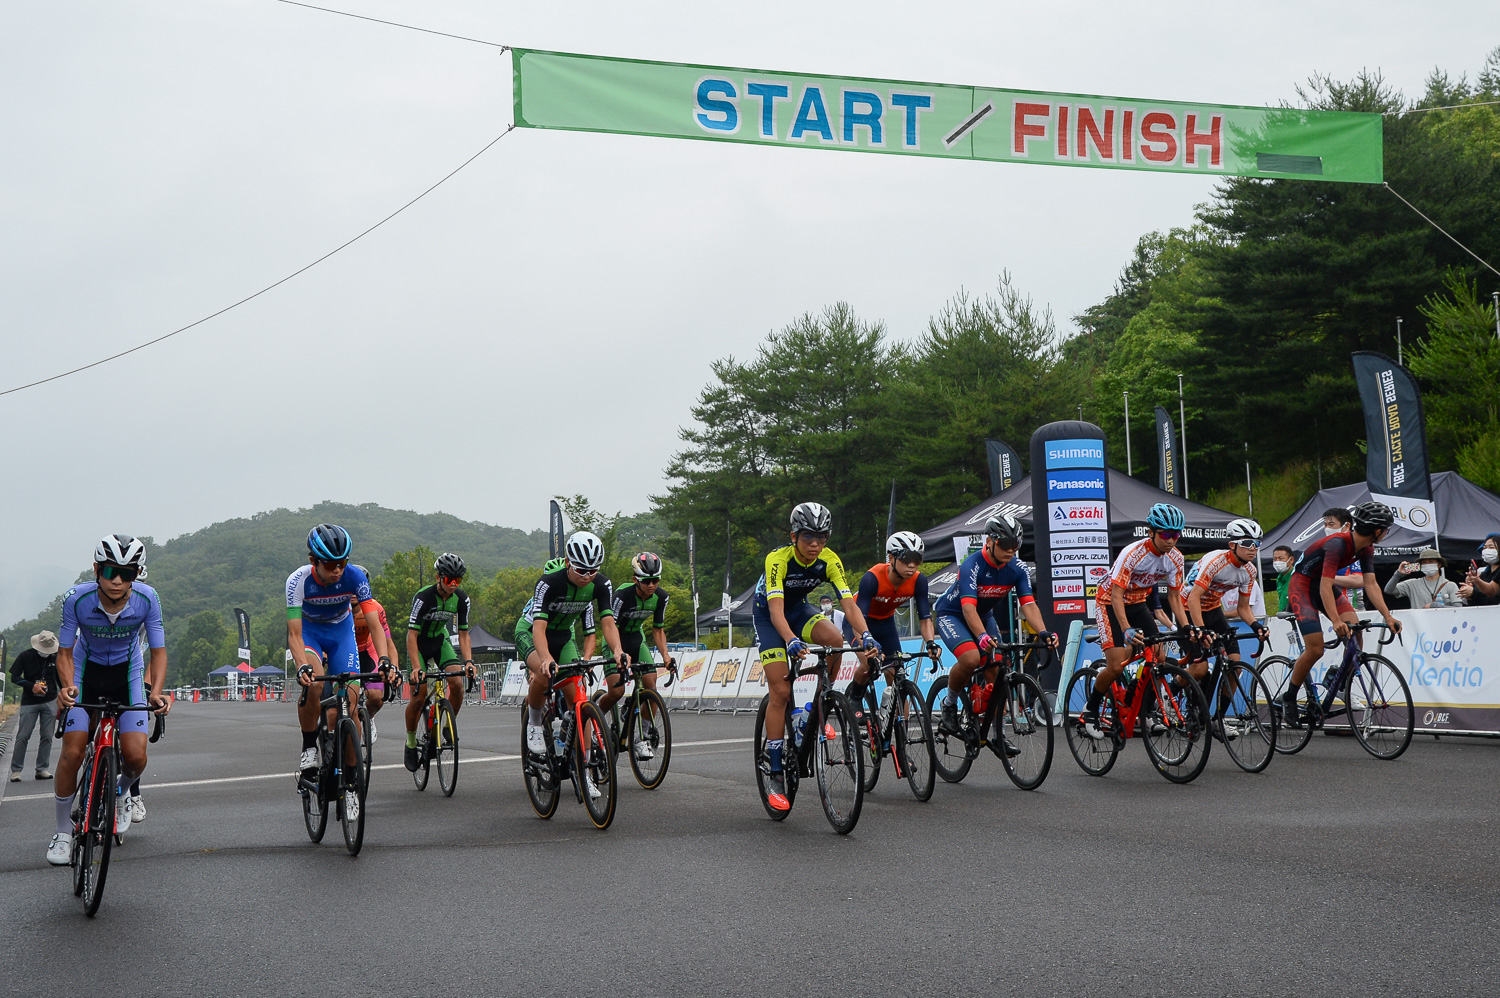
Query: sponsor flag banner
x=1395 y=429
x=554 y=531
x=727 y=600
x=1005 y=466
x=242 y=624
x=814 y=111
x=693 y=567
x=1168 y=478
x=1069 y=483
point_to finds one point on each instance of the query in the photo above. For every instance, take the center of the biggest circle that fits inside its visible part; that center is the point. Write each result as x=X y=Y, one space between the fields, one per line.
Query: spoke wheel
x=1276 y=672
x=99 y=832
x=1024 y=720
x=763 y=764
x=1380 y=707
x=1175 y=716
x=365 y=724
x=649 y=727
x=594 y=760
x=423 y=772
x=867 y=720
x=612 y=716
x=839 y=762
x=1244 y=718
x=950 y=751
x=911 y=742
x=350 y=759
x=1095 y=756
x=447 y=747
x=540 y=774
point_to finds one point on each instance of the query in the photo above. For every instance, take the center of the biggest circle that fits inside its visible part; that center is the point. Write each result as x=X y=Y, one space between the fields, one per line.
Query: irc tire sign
x=1070 y=496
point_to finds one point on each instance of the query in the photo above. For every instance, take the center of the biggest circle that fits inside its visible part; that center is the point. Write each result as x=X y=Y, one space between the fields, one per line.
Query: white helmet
x=120 y=549
x=904 y=544
x=1242 y=530
x=585 y=550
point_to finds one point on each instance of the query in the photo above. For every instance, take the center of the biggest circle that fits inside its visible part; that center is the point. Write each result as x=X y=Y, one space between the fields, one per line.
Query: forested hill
x=245 y=562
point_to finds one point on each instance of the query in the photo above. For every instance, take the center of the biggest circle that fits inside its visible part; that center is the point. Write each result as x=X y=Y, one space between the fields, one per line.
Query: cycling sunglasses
x=649 y=582
x=125 y=573
x=452 y=583
x=1252 y=543
x=585 y=572
x=1169 y=535
x=333 y=566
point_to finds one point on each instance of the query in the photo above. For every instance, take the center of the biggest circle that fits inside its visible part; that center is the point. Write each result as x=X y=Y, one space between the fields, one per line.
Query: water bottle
x=559 y=743
x=799 y=723
x=886 y=697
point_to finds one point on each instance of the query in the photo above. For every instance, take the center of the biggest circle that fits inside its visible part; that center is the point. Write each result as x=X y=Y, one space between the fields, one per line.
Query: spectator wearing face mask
x=1482 y=583
x=1282 y=560
x=1428 y=589
x=1336 y=520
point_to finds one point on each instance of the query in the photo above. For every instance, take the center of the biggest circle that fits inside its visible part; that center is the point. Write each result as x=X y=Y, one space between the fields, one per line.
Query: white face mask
x=1280 y=566
x=1490 y=556
x=1330 y=531
x=1430 y=569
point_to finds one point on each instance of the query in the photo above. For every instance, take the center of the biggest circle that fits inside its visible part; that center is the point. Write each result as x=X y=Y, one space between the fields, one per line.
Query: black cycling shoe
x=1011 y=749
x=949 y=719
x=413 y=758
x=1290 y=714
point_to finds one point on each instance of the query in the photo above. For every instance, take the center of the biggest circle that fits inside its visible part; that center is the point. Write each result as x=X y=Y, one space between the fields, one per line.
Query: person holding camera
x=1428 y=589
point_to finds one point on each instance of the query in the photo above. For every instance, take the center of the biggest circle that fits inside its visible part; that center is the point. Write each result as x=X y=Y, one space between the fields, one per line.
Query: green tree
x=204 y=643
x=400 y=577
x=1459 y=367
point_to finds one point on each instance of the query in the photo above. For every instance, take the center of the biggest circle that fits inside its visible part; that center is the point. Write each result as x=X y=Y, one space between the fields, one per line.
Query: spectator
x=1336 y=519
x=831 y=612
x=1482 y=583
x=1430 y=588
x=1282 y=560
x=35 y=671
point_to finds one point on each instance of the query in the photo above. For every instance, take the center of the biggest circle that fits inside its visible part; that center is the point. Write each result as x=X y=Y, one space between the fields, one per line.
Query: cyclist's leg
x=317 y=641
x=1213 y=620
x=775 y=666
x=74 y=742
x=447 y=658
x=1303 y=602
x=956 y=636
x=374 y=691
x=614 y=677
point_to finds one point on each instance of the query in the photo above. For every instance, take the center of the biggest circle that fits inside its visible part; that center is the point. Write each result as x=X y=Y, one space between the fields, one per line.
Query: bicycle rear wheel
x=1380 y=707
x=839 y=762
x=1244 y=718
x=447 y=747
x=425 y=736
x=867 y=724
x=950 y=750
x=351 y=804
x=365 y=724
x=1276 y=672
x=1095 y=756
x=1177 y=725
x=911 y=742
x=100 y=829
x=649 y=729
x=539 y=773
x=594 y=760
x=1024 y=722
x=763 y=763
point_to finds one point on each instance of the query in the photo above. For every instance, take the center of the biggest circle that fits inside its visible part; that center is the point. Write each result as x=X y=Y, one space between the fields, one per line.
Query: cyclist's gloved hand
x=469 y=667
x=1048 y=638
x=987 y=643
x=796 y=648
x=935 y=650
x=866 y=639
x=1133 y=636
x=1262 y=632
x=304 y=675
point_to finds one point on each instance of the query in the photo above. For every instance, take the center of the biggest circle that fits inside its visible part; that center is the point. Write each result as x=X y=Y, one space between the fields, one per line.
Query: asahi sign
x=1069 y=483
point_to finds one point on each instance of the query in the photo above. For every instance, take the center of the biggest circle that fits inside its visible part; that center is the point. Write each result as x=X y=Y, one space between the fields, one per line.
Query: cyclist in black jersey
x=638 y=607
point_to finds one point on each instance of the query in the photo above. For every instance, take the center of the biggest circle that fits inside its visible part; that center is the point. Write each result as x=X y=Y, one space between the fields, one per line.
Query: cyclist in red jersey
x=369 y=658
x=1312 y=589
x=883 y=590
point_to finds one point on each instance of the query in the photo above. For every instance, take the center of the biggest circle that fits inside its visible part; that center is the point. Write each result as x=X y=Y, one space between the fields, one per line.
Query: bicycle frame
x=897 y=665
x=812 y=735
x=1131 y=696
x=1334 y=679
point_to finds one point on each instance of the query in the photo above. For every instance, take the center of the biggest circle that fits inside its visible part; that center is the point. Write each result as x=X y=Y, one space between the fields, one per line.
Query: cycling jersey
x=879 y=597
x=1217 y=573
x=634 y=612
x=437 y=620
x=109 y=639
x=984 y=585
x=559 y=602
x=1327 y=556
x=362 y=637
x=308 y=599
x=1140 y=568
x=788 y=578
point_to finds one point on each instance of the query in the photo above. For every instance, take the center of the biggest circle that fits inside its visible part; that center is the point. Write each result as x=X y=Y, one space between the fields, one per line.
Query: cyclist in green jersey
x=439 y=616
x=636 y=608
x=544 y=634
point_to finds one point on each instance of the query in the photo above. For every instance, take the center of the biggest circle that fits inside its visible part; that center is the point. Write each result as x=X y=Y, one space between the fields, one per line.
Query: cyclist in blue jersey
x=99 y=659
x=986 y=577
x=320 y=623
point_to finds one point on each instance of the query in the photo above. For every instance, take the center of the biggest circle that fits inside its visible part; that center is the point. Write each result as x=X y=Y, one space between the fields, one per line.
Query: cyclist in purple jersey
x=103 y=621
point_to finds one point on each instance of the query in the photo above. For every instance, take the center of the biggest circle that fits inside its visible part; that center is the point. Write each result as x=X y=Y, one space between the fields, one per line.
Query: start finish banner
x=679 y=100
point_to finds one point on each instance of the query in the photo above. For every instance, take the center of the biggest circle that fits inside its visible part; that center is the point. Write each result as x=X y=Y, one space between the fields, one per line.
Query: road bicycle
x=827 y=748
x=1241 y=710
x=342 y=778
x=1376 y=702
x=579 y=750
x=899 y=727
x=95 y=799
x=1161 y=696
x=437 y=738
x=1009 y=714
x=639 y=725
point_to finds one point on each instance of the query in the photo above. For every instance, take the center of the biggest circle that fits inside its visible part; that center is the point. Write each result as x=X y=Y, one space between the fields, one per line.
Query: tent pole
x=1129 y=468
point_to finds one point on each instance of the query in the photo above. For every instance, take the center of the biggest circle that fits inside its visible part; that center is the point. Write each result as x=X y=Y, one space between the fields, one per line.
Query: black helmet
x=646 y=566
x=449 y=566
x=813 y=518
x=329 y=542
x=1372 y=516
x=1004 y=528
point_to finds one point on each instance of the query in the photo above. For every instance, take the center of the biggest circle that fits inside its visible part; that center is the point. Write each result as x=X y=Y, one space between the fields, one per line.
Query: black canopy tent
x=739 y=612
x=1466 y=513
x=484 y=643
x=1129 y=502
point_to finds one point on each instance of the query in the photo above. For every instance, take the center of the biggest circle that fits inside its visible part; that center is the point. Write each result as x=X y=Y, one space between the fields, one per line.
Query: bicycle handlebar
x=1367 y=625
x=112 y=708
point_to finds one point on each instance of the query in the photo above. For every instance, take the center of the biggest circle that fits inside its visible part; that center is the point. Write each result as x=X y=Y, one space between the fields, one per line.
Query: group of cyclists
x=113 y=644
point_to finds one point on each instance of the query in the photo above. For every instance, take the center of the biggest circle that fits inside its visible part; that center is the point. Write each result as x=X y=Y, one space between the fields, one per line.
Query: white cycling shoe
x=137 y=810
x=593 y=791
x=60 y=849
x=536 y=739
x=644 y=752
x=122 y=813
x=309 y=759
x=351 y=805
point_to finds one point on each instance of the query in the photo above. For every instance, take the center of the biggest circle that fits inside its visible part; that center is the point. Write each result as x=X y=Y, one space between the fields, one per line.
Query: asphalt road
x=1331 y=873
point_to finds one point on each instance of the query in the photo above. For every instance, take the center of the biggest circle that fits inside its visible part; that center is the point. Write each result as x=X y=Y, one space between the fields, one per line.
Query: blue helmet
x=329 y=542
x=1165 y=516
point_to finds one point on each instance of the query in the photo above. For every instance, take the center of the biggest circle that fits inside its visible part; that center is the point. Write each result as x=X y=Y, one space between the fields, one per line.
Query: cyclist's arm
x=390 y=643
x=659 y=639
x=156 y=677
x=1330 y=605
x=971 y=616
x=65 y=674
x=1195 y=605
x=855 y=617
x=1033 y=616
x=590 y=642
x=1117 y=607
x=611 y=637
x=465 y=646
x=413 y=656
x=1174 y=600
x=377 y=632
x=294 y=642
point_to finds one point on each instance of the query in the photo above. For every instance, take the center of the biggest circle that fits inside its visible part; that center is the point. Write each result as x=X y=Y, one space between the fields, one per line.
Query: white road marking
x=389 y=765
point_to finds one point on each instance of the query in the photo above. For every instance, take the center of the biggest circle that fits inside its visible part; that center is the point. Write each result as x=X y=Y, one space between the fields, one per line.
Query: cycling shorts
x=333 y=642
x=1138 y=615
x=955 y=634
x=800 y=617
x=559 y=643
x=634 y=644
x=117 y=683
x=1305 y=603
x=368 y=664
x=883 y=631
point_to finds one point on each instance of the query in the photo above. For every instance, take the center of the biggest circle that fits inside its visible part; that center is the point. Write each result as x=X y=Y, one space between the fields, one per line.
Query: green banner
x=678 y=100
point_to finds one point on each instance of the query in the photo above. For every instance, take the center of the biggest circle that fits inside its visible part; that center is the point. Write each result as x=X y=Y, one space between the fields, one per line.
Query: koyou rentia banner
x=679 y=100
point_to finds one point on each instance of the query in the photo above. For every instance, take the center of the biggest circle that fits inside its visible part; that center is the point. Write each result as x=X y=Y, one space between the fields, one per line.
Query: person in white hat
x=1428 y=589
x=35 y=672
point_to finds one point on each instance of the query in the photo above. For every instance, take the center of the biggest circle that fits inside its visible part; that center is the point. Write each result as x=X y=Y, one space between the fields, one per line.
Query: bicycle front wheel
x=1380 y=707
x=763 y=762
x=350 y=759
x=839 y=763
x=950 y=749
x=650 y=732
x=365 y=724
x=1095 y=756
x=911 y=742
x=867 y=722
x=594 y=763
x=446 y=747
x=1244 y=717
x=1177 y=725
x=539 y=772
x=1022 y=735
x=100 y=829
x=1293 y=731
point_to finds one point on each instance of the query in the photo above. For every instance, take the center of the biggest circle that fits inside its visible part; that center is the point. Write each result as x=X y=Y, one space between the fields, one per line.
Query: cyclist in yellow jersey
x=785 y=623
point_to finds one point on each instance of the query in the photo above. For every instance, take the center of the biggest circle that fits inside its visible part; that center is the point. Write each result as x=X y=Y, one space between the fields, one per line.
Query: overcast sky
x=567 y=292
